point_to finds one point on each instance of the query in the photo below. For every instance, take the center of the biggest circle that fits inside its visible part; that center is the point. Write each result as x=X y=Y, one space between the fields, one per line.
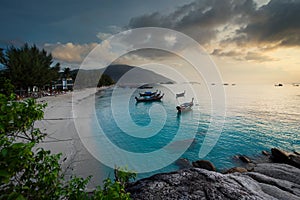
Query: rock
x=183 y=163
x=267 y=181
x=204 y=164
x=196 y=183
x=265 y=153
x=279 y=155
x=277 y=193
x=276 y=186
x=245 y=159
x=250 y=166
x=279 y=171
x=236 y=169
x=282 y=156
x=297 y=153
x=295 y=160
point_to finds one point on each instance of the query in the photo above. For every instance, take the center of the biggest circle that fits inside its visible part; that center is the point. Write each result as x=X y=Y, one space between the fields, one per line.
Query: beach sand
x=62 y=137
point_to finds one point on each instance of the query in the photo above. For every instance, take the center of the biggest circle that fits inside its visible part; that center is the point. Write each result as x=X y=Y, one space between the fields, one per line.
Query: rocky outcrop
x=236 y=169
x=204 y=164
x=183 y=163
x=266 y=181
x=244 y=159
x=265 y=153
x=282 y=156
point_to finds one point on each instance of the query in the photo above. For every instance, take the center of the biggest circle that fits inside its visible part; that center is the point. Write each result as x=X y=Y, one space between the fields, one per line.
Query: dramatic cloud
x=224 y=26
x=275 y=23
x=201 y=20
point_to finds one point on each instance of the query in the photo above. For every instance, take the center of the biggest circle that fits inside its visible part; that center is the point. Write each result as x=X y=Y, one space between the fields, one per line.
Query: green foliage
x=123 y=175
x=28 y=66
x=75 y=188
x=6 y=87
x=28 y=172
x=105 y=80
x=115 y=190
x=17 y=118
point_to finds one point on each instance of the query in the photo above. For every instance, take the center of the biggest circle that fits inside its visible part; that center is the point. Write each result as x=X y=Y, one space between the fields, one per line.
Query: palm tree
x=67 y=72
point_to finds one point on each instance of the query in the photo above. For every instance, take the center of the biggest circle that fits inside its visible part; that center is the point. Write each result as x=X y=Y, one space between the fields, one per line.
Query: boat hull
x=150 y=99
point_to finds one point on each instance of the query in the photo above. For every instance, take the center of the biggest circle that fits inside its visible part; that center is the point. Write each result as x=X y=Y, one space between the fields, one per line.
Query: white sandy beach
x=62 y=137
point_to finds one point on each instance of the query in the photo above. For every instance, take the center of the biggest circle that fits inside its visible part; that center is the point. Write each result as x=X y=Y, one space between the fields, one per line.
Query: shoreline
x=62 y=137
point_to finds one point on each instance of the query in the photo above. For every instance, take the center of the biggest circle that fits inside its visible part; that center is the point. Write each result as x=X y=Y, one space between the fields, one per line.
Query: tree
x=6 y=87
x=105 y=80
x=67 y=72
x=1 y=55
x=28 y=66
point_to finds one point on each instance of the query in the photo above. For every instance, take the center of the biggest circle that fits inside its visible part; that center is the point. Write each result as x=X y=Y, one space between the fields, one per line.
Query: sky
x=248 y=40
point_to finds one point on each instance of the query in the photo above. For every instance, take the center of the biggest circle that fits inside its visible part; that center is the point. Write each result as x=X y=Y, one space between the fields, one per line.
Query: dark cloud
x=277 y=22
x=200 y=19
x=241 y=55
x=272 y=25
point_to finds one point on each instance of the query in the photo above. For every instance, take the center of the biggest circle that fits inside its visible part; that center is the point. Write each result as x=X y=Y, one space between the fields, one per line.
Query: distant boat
x=185 y=106
x=225 y=84
x=279 y=85
x=180 y=94
x=156 y=97
x=148 y=93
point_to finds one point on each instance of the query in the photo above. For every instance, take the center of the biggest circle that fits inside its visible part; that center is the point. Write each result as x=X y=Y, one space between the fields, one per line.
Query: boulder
x=280 y=156
x=265 y=153
x=183 y=163
x=297 y=153
x=204 y=164
x=245 y=159
x=279 y=171
x=275 y=186
x=295 y=160
x=196 y=183
x=267 y=181
x=236 y=169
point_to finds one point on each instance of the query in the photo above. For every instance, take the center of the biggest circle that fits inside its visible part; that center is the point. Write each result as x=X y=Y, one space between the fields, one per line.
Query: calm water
x=258 y=118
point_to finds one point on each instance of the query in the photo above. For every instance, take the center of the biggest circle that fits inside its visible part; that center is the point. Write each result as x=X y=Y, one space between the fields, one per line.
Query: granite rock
x=267 y=181
x=204 y=164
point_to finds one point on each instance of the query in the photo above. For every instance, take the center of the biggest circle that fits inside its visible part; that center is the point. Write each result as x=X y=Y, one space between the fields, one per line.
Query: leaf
x=4 y=152
x=4 y=173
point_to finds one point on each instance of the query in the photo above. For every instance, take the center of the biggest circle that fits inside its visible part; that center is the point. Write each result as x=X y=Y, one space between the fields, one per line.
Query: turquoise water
x=258 y=117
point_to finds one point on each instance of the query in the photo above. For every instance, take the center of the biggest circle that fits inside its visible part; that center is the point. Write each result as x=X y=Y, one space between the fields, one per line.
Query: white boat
x=185 y=106
x=180 y=94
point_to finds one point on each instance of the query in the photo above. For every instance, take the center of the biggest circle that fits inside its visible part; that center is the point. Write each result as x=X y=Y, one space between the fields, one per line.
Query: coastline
x=62 y=137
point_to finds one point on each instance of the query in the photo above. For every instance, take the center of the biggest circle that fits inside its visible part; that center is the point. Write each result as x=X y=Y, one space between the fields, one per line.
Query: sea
x=257 y=118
